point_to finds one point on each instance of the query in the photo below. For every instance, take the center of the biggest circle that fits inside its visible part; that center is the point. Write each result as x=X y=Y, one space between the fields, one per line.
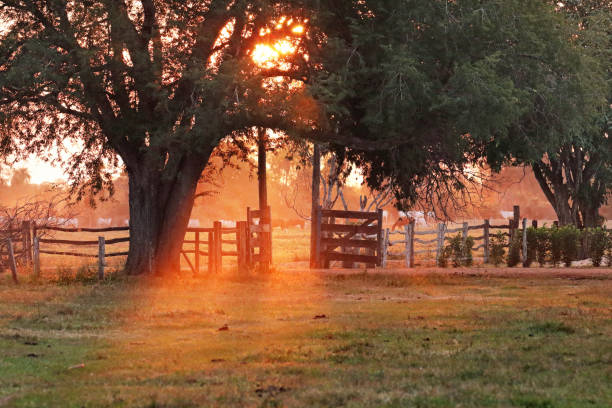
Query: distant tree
x=156 y=84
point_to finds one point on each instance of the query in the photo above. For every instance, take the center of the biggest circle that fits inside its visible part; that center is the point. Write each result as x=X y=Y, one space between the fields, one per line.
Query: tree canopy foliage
x=432 y=89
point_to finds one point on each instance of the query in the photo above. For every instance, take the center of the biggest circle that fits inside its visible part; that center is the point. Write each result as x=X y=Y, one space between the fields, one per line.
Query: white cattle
x=105 y=221
x=228 y=224
x=507 y=214
x=194 y=223
x=419 y=216
x=72 y=222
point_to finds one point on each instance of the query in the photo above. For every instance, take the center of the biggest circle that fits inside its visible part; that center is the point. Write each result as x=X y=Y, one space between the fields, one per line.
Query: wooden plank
x=189 y=263
x=358 y=215
x=83 y=243
x=66 y=253
x=229 y=253
x=354 y=243
x=260 y=228
x=200 y=229
x=425 y=232
x=476 y=227
x=117 y=240
x=499 y=226
x=67 y=242
x=336 y=256
x=257 y=213
x=109 y=229
x=425 y=242
x=230 y=241
x=351 y=229
x=115 y=254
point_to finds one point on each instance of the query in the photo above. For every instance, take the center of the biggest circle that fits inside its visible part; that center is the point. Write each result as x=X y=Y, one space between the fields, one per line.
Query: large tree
x=576 y=175
x=155 y=83
x=420 y=92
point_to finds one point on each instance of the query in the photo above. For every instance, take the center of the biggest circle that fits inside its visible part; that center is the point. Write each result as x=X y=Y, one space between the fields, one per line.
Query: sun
x=270 y=53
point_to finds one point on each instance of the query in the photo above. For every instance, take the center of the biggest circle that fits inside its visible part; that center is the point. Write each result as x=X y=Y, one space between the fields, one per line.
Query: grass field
x=432 y=338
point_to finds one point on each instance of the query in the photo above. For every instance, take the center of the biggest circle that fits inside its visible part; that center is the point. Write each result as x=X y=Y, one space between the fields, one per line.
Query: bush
x=599 y=242
x=444 y=256
x=555 y=246
x=542 y=243
x=459 y=251
x=496 y=248
x=569 y=237
x=514 y=252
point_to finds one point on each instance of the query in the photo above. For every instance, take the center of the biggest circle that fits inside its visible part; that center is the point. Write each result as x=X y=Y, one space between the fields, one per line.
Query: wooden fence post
x=197 y=252
x=101 y=256
x=218 y=247
x=36 y=256
x=385 y=248
x=515 y=221
x=379 y=237
x=27 y=241
x=11 y=260
x=317 y=239
x=250 y=251
x=268 y=221
x=524 y=241
x=211 y=252
x=486 y=241
x=440 y=246
x=241 y=239
x=409 y=238
x=534 y=223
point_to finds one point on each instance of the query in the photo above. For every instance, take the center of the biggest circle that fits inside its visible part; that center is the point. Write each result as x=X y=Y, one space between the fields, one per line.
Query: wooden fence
x=352 y=237
x=101 y=243
x=421 y=242
x=250 y=242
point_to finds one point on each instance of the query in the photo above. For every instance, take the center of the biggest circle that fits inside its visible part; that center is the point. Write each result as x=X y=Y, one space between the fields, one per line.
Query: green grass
x=434 y=339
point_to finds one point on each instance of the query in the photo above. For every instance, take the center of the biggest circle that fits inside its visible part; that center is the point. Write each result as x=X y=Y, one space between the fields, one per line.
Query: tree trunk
x=555 y=191
x=262 y=168
x=316 y=185
x=160 y=207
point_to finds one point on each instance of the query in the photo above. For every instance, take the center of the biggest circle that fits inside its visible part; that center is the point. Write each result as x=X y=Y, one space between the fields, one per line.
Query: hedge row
x=546 y=245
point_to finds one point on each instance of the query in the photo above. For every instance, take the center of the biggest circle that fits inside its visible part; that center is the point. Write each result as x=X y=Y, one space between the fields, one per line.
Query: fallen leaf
x=321 y=316
x=225 y=327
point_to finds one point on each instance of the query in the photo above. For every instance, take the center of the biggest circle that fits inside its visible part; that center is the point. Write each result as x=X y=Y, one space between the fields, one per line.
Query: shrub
x=569 y=237
x=555 y=245
x=496 y=248
x=514 y=252
x=468 y=258
x=444 y=256
x=459 y=251
x=598 y=244
x=532 y=246
x=542 y=238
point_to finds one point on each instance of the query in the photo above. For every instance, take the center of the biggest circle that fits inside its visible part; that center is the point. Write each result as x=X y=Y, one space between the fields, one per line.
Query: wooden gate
x=364 y=234
x=260 y=237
